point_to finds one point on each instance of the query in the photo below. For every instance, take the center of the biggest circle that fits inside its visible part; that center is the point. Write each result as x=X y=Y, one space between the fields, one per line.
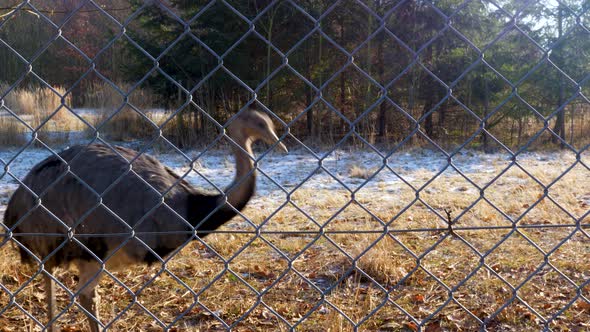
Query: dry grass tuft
x=11 y=132
x=126 y=125
x=35 y=100
x=103 y=96
x=360 y=172
x=39 y=107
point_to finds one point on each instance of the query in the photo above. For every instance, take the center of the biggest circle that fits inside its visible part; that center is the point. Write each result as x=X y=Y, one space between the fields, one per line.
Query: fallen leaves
x=411 y=326
x=418 y=298
x=583 y=305
x=433 y=327
x=71 y=329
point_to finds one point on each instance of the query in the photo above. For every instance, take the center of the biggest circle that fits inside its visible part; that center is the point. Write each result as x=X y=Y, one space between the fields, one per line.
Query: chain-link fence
x=438 y=178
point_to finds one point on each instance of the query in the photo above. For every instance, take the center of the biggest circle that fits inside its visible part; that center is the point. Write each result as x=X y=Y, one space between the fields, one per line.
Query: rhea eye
x=260 y=125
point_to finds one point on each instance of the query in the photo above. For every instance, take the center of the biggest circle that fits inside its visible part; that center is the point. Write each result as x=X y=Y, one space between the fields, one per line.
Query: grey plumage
x=74 y=201
x=96 y=208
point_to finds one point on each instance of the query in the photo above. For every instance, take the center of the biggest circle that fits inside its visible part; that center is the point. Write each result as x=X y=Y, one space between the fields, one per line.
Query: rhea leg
x=51 y=302
x=89 y=298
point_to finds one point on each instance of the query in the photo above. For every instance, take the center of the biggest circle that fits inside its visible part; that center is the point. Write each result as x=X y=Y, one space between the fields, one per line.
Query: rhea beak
x=282 y=147
x=272 y=139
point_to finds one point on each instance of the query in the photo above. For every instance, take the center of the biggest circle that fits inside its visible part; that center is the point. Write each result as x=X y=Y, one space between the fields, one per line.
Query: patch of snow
x=280 y=173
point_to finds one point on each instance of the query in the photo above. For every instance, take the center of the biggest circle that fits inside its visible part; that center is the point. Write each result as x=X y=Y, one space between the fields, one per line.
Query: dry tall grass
x=11 y=132
x=37 y=106
x=34 y=100
x=126 y=125
x=103 y=96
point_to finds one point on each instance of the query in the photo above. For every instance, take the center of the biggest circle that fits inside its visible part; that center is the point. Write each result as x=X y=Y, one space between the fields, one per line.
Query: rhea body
x=102 y=211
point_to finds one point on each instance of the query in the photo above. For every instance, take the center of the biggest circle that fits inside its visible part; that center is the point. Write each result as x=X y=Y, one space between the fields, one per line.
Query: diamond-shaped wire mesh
x=438 y=177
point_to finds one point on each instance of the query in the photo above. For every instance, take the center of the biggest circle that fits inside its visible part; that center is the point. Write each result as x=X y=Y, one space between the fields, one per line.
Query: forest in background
x=374 y=70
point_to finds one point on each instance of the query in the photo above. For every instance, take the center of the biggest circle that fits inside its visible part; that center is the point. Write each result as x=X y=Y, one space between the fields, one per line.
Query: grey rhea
x=126 y=223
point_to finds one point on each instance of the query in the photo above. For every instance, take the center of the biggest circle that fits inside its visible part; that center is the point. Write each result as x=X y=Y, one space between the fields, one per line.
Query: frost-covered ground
x=280 y=174
x=545 y=261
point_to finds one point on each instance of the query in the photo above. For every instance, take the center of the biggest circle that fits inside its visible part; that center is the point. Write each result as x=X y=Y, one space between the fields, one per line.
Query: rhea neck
x=237 y=194
x=242 y=187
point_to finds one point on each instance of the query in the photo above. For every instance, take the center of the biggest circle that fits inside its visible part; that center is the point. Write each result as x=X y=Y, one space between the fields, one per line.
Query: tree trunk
x=559 y=127
x=431 y=97
x=486 y=110
x=572 y=115
x=342 y=80
x=428 y=127
x=268 y=54
x=309 y=100
x=520 y=127
x=412 y=104
x=512 y=132
x=319 y=129
x=381 y=121
x=442 y=113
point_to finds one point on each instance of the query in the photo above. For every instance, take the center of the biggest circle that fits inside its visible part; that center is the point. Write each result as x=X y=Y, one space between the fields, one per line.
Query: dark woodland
x=482 y=74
